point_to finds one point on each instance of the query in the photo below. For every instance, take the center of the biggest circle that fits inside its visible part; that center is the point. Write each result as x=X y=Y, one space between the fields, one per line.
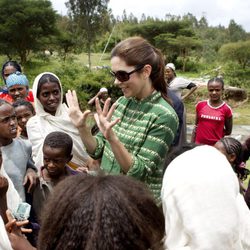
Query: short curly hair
x=59 y=139
x=101 y=213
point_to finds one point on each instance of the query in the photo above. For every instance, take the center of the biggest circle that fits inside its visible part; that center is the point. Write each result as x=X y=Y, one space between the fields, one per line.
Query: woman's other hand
x=103 y=119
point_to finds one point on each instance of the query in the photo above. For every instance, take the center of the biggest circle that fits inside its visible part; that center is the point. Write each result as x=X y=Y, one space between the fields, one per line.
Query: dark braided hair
x=217 y=79
x=101 y=213
x=233 y=146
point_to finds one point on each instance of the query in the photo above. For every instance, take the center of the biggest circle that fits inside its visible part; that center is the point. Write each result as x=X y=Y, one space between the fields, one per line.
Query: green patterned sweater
x=147 y=129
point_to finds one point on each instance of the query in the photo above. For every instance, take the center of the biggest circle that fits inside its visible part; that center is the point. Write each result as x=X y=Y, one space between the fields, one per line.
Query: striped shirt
x=147 y=128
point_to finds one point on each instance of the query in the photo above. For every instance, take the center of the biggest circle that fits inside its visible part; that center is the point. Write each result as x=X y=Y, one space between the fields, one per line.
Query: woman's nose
x=116 y=82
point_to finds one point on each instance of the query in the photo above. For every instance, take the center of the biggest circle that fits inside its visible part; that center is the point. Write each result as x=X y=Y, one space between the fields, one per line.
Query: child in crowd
x=245 y=158
x=16 y=152
x=98 y=212
x=8 y=68
x=18 y=88
x=52 y=115
x=214 y=117
x=57 y=153
x=24 y=111
x=232 y=149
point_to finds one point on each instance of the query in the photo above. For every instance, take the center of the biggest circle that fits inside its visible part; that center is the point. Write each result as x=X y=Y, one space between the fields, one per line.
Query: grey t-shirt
x=15 y=159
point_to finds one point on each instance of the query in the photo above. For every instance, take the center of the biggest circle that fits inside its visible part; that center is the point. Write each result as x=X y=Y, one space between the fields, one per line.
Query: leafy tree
x=24 y=25
x=185 y=45
x=239 y=51
x=66 y=41
x=92 y=18
x=236 y=32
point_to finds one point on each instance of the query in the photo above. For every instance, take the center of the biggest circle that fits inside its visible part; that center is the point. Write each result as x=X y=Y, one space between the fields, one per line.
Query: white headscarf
x=202 y=204
x=43 y=123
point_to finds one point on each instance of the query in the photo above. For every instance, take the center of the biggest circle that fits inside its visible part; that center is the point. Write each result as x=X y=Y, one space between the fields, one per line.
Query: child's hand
x=16 y=227
x=30 y=177
x=15 y=230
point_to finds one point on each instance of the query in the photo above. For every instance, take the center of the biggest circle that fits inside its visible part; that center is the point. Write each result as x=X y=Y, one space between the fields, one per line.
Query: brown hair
x=101 y=213
x=138 y=51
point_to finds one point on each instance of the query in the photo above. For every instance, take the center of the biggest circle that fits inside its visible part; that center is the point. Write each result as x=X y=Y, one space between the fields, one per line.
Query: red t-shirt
x=211 y=122
x=9 y=99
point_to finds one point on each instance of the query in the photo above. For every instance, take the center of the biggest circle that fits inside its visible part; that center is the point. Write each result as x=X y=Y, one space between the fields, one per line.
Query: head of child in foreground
x=8 y=123
x=57 y=152
x=24 y=111
x=18 y=86
x=215 y=87
x=232 y=149
x=101 y=212
x=8 y=68
x=49 y=92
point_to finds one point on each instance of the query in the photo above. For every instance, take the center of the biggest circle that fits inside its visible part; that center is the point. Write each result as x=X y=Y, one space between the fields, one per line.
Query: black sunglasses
x=123 y=76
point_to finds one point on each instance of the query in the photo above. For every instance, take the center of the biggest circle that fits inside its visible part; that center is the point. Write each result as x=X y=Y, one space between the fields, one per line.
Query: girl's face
x=8 y=124
x=136 y=86
x=18 y=92
x=50 y=97
x=23 y=114
x=215 y=91
x=8 y=70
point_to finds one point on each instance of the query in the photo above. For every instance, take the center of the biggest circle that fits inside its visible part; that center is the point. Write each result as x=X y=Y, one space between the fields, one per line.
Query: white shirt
x=178 y=84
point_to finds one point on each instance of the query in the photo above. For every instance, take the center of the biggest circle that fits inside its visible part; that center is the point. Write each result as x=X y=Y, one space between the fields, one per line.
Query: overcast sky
x=216 y=11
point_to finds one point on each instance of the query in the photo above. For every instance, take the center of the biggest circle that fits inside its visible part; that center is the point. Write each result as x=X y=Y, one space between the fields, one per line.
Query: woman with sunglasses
x=137 y=131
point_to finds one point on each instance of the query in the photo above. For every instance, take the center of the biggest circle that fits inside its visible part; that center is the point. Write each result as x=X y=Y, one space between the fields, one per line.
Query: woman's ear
x=147 y=70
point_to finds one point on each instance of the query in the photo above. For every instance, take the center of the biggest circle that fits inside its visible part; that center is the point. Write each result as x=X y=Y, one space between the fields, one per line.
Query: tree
x=239 y=51
x=236 y=32
x=66 y=41
x=23 y=26
x=92 y=18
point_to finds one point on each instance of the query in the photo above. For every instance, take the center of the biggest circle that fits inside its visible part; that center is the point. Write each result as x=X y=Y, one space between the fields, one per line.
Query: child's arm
x=15 y=230
x=30 y=176
x=228 y=125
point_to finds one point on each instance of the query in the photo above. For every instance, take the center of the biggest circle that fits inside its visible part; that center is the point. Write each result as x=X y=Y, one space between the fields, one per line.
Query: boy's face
x=23 y=114
x=8 y=124
x=54 y=160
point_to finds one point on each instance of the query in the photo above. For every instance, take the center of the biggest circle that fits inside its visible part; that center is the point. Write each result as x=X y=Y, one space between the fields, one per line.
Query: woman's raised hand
x=103 y=119
x=77 y=117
